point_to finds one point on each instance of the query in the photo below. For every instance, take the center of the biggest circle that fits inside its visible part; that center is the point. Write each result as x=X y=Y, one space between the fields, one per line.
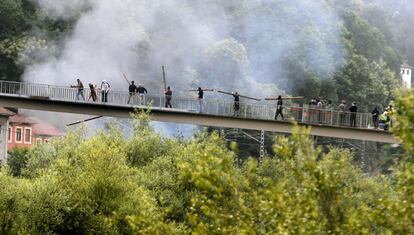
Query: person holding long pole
x=279 y=104
x=200 y=97
x=236 y=105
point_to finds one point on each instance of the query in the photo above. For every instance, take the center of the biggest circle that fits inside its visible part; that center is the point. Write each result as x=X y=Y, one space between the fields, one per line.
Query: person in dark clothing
x=353 y=109
x=375 y=117
x=200 y=93
x=279 y=107
x=168 y=97
x=132 y=90
x=236 y=105
x=141 y=92
x=200 y=99
x=79 y=86
x=93 y=92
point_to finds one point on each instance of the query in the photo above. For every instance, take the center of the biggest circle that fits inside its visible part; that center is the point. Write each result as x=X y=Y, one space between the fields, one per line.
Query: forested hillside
x=352 y=51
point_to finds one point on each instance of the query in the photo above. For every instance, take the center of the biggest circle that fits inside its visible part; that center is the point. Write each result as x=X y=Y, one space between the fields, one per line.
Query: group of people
x=140 y=90
x=382 y=121
x=94 y=91
x=105 y=88
x=343 y=109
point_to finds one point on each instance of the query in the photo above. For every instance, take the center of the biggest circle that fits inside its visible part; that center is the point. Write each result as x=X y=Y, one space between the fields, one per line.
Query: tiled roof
x=40 y=127
x=6 y=112
x=46 y=129
x=19 y=118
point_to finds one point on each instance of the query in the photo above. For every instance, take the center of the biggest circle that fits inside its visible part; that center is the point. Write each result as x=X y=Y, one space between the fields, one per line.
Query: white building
x=406 y=71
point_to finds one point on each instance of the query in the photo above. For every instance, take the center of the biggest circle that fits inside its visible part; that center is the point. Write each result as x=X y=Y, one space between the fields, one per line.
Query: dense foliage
x=20 y=40
x=149 y=184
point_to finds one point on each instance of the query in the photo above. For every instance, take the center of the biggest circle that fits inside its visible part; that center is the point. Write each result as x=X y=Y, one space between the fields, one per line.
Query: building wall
x=406 y=77
x=3 y=138
x=24 y=139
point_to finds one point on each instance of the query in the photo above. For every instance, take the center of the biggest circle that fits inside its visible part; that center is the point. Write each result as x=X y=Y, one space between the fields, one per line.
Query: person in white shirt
x=105 y=90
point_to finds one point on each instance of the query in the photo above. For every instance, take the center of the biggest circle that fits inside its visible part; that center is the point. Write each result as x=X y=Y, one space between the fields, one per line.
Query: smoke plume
x=233 y=44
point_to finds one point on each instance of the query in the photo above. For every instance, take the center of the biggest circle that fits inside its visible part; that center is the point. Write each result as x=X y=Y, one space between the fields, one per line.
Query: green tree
x=368 y=83
x=17 y=160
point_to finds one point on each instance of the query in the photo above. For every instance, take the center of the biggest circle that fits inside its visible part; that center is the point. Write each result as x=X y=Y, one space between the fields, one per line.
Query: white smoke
x=233 y=44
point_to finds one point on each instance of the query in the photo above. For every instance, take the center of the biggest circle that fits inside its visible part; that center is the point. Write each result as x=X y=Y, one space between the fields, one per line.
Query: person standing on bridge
x=200 y=99
x=236 y=105
x=279 y=107
x=92 y=95
x=342 y=114
x=105 y=90
x=353 y=109
x=80 y=88
x=385 y=119
x=319 y=106
x=141 y=92
x=168 y=97
x=132 y=89
x=375 y=115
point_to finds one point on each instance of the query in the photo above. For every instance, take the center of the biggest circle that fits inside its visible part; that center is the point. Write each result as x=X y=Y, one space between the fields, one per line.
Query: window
x=408 y=72
x=19 y=131
x=9 y=135
x=402 y=71
x=27 y=135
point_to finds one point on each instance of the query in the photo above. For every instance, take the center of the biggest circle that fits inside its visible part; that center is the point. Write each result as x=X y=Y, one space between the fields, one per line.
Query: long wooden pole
x=286 y=98
x=163 y=77
x=85 y=120
x=247 y=97
x=202 y=90
x=126 y=79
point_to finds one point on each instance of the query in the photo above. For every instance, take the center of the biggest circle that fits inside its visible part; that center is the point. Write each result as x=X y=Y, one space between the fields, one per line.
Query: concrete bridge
x=217 y=113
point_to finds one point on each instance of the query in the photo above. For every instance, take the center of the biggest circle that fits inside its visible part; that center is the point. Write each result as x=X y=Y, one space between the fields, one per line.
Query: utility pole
x=262 y=142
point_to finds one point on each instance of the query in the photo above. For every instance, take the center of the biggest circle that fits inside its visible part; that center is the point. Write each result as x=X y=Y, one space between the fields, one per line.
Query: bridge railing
x=218 y=107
